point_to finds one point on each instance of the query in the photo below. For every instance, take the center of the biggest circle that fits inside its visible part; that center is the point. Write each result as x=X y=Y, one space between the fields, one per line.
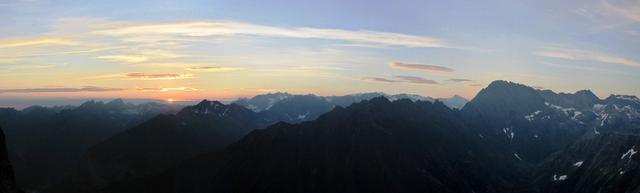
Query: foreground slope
x=7 y=180
x=606 y=163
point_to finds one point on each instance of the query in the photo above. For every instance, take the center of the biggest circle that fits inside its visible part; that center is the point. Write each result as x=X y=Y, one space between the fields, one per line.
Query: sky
x=221 y=50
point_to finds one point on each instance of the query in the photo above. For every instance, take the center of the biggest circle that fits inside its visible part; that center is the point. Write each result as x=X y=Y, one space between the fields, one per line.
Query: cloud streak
x=213 y=69
x=378 y=79
x=401 y=79
x=123 y=58
x=37 y=42
x=458 y=80
x=141 y=76
x=420 y=67
x=415 y=80
x=231 y=28
x=583 y=55
x=630 y=10
x=168 y=89
x=47 y=90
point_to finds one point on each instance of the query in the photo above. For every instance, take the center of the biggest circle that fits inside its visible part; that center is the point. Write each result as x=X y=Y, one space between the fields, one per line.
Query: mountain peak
x=502 y=101
x=208 y=103
x=117 y=103
x=586 y=93
x=505 y=84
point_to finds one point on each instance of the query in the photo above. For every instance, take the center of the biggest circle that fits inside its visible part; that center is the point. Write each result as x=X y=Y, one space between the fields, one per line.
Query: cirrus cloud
x=401 y=79
x=213 y=69
x=415 y=80
x=63 y=89
x=168 y=89
x=37 y=42
x=140 y=76
x=458 y=80
x=123 y=58
x=230 y=28
x=421 y=67
x=584 y=55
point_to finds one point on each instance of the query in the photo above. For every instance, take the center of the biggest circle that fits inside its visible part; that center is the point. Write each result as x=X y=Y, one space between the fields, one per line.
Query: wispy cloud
x=230 y=28
x=583 y=55
x=42 y=90
x=627 y=9
x=213 y=69
x=415 y=80
x=476 y=85
x=34 y=66
x=140 y=76
x=421 y=67
x=123 y=58
x=168 y=89
x=378 y=79
x=458 y=80
x=36 y=42
x=401 y=79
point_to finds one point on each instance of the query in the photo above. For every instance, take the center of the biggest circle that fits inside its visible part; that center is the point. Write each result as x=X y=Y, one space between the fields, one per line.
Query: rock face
x=7 y=180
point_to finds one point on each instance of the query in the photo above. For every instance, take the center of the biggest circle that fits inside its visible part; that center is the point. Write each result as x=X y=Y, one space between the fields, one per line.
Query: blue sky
x=225 y=49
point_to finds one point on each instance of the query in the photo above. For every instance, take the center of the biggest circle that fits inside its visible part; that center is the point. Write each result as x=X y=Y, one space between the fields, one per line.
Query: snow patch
x=531 y=116
x=559 y=178
x=565 y=111
x=509 y=132
x=628 y=98
x=517 y=156
x=604 y=119
x=303 y=116
x=629 y=153
x=578 y=164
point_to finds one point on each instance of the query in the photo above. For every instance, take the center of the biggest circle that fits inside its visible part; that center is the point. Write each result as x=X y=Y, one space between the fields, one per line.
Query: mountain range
x=509 y=138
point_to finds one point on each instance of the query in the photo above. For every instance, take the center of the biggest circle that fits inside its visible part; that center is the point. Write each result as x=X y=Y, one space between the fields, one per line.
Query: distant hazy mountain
x=262 y=102
x=297 y=108
x=47 y=142
x=455 y=101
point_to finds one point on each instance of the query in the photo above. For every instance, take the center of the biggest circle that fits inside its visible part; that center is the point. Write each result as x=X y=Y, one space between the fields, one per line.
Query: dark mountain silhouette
x=509 y=138
x=606 y=163
x=161 y=143
x=371 y=146
x=47 y=142
x=7 y=180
